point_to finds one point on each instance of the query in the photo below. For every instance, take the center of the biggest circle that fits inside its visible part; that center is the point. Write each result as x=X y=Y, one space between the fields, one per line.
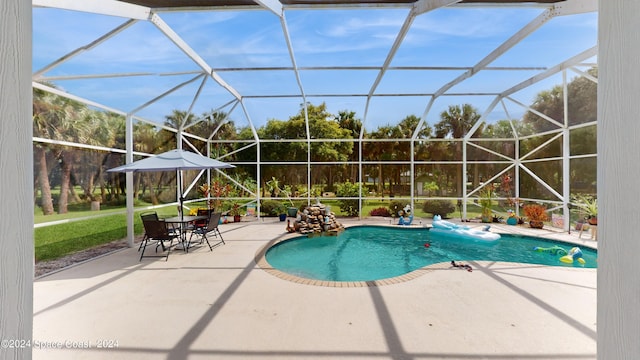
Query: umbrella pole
x=180 y=197
x=183 y=227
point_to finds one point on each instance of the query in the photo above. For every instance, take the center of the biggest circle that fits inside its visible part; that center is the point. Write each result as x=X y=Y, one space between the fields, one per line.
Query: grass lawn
x=54 y=241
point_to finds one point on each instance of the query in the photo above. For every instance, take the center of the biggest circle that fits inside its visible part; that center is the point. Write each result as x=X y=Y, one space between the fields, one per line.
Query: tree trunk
x=65 y=180
x=74 y=195
x=43 y=179
x=380 y=181
x=152 y=192
x=459 y=180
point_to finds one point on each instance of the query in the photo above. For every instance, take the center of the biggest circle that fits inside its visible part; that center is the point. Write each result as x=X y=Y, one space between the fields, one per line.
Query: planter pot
x=292 y=211
x=283 y=217
x=237 y=218
x=512 y=221
x=487 y=219
x=536 y=224
x=593 y=220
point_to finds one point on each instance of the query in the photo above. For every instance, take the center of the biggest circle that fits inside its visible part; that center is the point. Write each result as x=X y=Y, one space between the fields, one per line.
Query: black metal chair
x=201 y=223
x=150 y=215
x=211 y=228
x=157 y=231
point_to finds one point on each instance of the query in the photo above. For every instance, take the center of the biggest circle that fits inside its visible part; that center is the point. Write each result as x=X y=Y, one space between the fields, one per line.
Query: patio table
x=183 y=221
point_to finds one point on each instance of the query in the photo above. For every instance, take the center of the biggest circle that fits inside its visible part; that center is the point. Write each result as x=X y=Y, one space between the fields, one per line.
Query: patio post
x=16 y=177
x=618 y=174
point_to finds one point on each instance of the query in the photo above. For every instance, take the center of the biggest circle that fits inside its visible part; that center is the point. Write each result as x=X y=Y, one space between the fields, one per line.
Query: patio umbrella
x=174 y=160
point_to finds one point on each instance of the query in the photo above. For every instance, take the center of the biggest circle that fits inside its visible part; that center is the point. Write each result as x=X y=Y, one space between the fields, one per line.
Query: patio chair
x=152 y=215
x=157 y=231
x=149 y=215
x=211 y=228
x=201 y=223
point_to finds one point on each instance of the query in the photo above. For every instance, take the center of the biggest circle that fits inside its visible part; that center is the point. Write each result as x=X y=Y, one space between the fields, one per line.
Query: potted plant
x=588 y=205
x=236 y=212
x=214 y=192
x=273 y=186
x=486 y=201
x=292 y=211
x=512 y=219
x=537 y=215
x=282 y=212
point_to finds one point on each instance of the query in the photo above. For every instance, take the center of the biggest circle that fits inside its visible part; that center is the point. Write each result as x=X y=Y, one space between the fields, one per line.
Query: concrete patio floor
x=221 y=305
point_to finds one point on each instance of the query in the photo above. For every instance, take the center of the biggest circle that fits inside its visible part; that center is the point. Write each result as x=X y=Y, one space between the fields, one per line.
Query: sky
x=229 y=40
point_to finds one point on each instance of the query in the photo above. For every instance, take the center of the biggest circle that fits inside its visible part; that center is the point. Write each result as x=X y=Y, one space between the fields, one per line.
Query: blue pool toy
x=406 y=216
x=575 y=254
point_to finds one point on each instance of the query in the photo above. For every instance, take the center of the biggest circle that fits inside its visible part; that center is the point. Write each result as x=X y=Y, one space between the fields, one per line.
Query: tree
x=582 y=94
x=455 y=123
x=322 y=125
x=348 y=121
x=56 y=118
x=45 y=112
x=380 y=152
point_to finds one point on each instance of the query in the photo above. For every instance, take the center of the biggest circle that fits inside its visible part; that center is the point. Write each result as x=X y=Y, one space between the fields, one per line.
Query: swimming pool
x=365 y=253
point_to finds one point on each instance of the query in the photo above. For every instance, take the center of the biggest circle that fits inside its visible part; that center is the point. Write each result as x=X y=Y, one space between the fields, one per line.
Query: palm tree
x=146 y=137
x=348 y=121
x=72 y=128
x=56 y=118
x=380 y=152
x=101 y=130
x=456 y=123
x=44 y=113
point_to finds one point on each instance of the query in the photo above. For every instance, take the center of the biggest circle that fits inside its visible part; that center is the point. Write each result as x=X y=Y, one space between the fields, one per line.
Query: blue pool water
x=364 y=253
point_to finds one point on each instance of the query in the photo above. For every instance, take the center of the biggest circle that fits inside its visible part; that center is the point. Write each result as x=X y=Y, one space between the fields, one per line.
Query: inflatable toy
x=406 y=216
x=405 y=220
x=575 y=254
x=554 y=250
x=444 y=227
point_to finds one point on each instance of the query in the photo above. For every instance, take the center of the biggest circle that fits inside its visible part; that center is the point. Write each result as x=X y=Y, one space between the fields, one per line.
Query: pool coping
x=262 y=262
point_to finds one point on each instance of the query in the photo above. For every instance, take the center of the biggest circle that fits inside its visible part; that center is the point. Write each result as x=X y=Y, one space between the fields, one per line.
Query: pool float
x=575 y=254
x=554 y=250
x=405 y=216
x=448 y=228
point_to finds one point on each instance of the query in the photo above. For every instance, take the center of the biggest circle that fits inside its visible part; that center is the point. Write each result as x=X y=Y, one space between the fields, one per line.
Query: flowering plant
x=215 y=191
x=536 y=212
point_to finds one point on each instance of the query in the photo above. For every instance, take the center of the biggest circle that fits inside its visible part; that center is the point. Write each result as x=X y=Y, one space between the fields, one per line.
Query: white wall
x=618 y=175
x=16 y=178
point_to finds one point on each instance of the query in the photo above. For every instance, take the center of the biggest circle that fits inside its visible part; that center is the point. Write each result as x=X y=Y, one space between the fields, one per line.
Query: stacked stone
x=316 y=219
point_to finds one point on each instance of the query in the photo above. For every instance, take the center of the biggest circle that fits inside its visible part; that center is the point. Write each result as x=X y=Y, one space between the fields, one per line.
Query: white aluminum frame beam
x=103 y=7
x=192 y=54
x=87 y=47
x=418 y=8
x=274 y=6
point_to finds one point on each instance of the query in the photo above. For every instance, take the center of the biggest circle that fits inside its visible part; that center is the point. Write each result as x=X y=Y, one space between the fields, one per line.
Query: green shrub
x=348 y=189
x=396 y=205
x=272 y=207
x=438 y=207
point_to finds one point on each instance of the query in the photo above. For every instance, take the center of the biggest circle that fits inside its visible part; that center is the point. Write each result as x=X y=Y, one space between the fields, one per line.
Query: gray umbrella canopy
x=173 y=160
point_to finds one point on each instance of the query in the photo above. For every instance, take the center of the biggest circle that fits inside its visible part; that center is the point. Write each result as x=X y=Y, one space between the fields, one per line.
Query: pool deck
x=221 y=305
